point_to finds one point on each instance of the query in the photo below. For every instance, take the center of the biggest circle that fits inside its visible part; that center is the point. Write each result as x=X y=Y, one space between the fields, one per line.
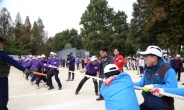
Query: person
x=177 y=66
x=91 y=69
x=71 y=65
x=54 y=71
x=82 y=62
x=104 y=60
x=77 y=63
x=40 y=66
x=141 y=66
x=118 y=90
x=119 y=61
x=85 y=61
x=159 y=92
x=157 y=74
x=5 y=62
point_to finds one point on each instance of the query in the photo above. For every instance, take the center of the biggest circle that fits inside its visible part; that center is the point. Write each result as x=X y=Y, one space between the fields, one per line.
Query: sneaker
x=45 y=85
x=50 y=88
x=67 y=80
x=26 y=78
x=100 y=98
x=183 y=84
x=96 y=94
x=31 y=83
x=59 y=88
x=72 y=79
x=37 y=86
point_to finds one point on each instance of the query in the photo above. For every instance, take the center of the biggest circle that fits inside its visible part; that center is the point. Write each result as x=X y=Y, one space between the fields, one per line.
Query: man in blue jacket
x=71 y=64
x=5 y=62
x=118 y=90
x=157 y=74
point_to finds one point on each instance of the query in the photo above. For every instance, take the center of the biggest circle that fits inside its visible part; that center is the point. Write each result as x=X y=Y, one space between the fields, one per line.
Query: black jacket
x=103 y=62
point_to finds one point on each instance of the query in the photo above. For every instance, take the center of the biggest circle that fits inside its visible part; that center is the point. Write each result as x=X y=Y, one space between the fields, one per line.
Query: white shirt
x=141 y=62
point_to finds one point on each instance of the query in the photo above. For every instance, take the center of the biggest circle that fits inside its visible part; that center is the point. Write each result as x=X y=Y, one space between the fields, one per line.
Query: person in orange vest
x=85 y=61
x=119 y=61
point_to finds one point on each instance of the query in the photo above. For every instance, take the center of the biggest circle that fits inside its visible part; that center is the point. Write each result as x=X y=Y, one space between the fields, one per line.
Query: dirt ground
x=24 y=96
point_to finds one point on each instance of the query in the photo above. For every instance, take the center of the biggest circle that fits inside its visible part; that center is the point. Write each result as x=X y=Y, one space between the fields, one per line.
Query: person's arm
x=122 y=60
x=4 y=56
x=141 y=82
x=169 y=79
x=177 y=91
x=85 y=68
x=57 y=64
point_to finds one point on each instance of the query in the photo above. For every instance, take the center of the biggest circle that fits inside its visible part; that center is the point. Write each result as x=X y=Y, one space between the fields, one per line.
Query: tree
x=68 y=46
x=67 y=36
x=5 y=23
x=18 y=26
x=120 y=32
x=97 y=25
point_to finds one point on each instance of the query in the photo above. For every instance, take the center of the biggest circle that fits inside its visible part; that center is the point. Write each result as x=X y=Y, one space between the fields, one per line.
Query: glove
x=157 y=92
x=50 y=66
x=147 y=88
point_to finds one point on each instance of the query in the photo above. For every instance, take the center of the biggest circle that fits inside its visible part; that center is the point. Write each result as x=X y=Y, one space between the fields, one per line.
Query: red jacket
x=119 y=64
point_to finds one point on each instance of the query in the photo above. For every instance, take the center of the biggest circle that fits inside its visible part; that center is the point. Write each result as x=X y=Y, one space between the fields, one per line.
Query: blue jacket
x=177 y=91
x=5 y=62
x=72 y=61
x=172 y=63
x=152 y=77
x=120 y=94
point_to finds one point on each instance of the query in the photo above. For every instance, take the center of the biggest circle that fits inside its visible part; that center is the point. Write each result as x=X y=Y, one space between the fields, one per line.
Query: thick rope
x=165 y=94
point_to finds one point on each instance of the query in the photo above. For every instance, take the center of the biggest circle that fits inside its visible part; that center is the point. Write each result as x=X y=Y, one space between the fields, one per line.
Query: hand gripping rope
x=165 y=94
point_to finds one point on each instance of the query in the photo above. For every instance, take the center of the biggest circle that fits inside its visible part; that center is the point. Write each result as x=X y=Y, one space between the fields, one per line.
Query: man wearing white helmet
x=157 y=74
x=118 y=90
x=39 y=67
x=54 y=72
x=91 y=69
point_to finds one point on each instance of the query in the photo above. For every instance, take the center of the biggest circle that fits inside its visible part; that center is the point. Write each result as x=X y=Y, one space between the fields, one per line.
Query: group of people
x=116 y=86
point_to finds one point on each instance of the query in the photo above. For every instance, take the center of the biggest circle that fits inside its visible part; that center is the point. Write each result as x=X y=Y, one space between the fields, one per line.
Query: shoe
x=140 y=76
x=31 y=83
x=45 y=85
x=67 y=80
x=96 y=94
x=26 y=78
x=100 y=98
x=59 y=88
x=182 y=84
x=37 y=86
x=72 y=79
x=50 y=88
x=76 y=93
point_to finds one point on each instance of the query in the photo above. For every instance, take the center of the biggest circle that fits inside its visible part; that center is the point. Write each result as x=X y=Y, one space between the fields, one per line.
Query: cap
x=110 y=70
x=93 y=58
x=2 y=39
x=177 y=55
x=165 y=55
x=71 y=53
x=51 y=53
x=38 y=56
x=54 y=54
x=155 y=50
x=43 y=56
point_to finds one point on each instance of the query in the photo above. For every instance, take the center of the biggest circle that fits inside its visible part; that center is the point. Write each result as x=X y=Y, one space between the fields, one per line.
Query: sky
x=59 y=15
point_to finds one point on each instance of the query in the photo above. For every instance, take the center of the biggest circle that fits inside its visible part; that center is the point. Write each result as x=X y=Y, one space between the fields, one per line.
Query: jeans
x=3 y=93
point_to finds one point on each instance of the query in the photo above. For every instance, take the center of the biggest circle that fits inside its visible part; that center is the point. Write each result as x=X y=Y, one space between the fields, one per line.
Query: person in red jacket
x=119 y=61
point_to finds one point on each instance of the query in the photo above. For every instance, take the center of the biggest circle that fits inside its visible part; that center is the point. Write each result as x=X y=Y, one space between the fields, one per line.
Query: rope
x=165 y=94
x=136 y=87
x=89 y=76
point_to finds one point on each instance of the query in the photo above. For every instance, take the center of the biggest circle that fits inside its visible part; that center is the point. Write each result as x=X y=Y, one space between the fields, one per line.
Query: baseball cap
x=110 y=70
x=154 y=50
x=177 y=55
x=43 y=56
x=71 y=53
x=93 y=58
x=2 y=39
x=54 y=54
x=51 y=53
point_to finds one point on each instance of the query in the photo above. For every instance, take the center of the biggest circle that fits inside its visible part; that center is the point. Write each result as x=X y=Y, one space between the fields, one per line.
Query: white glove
x=45 y=64
x=157 y=92
x=147 y=88
x=50 y=66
